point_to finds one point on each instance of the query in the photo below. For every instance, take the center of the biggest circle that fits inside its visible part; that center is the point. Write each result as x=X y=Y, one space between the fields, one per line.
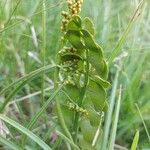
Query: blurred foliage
x=17 y=43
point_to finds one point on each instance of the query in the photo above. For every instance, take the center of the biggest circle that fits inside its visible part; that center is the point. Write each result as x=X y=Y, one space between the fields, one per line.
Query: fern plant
x=82 y=100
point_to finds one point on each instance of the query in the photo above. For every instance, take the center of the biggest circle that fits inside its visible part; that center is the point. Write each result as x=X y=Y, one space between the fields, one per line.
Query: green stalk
x=123 y=38
x=109 y=112
x=14 y=10
x=81 y=98
x=144 y=124
x=19 y=85
x=40 y=112
x=97 y=134
x=28 y=76
x=76 y=120
x=60 y=115
x=43 y=55
x=21 y=21
x=27 y=132
x=68 y=140
x=106 y=20
x=115 y=122
x=135 y=141
x=9 y=144
x=43 y=47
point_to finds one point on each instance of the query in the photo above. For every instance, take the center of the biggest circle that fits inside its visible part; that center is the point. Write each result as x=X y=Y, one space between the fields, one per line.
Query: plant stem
x=9 y=19
x=76 y=120
x=40 y=112
x=96 y=136
x=144 y=124
x=43 y=56
x=115 y=122
x=81 y=98
x=60 y=115
x=122 y=40
x=109 y=112
x=20 y=83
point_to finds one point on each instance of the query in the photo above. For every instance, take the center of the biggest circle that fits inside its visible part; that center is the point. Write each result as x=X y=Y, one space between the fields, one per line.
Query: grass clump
x=54 y=79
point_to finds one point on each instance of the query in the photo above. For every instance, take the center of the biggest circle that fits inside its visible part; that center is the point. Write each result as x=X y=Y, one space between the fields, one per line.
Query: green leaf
x=135 y=141
x=70 y=56
x=73 y=92
x=74 y=23
x=90 y=43
x=67 y=114
x=74 y=37
x=70 y=94
x=88 y=25
x=9 y=144
x=100 y=81
x=97 y=95
x=85 y=145
x=24 y=130
x=87 y=130
x=104 y=73
x=93 y=117
x=99 y=65
x=95 y=54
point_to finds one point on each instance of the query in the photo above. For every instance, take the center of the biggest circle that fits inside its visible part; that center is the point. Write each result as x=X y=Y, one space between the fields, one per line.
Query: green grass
x=33 y=27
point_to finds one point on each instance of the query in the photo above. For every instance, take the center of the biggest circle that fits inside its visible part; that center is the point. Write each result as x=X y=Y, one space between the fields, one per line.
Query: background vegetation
x=25 y=40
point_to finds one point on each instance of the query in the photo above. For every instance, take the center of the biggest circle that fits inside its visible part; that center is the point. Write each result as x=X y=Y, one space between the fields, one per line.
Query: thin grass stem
x=144 y=124
x=115 y=122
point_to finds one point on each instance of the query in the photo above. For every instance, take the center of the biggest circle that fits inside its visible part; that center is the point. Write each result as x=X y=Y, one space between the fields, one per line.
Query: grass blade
x=24 y=80
x=96 y=136
x=117 y=49
x=110 y=110
x=146 y=129
x=43 y=52
x=114 y=126
x=37 y=13
x=135 y=141
x=43 y=47
x=37 y=116
x=29 y=76
x=24 y=130
x=9 y=144
x=68 y=140
x=10 y=96
x=18 y=2
x=44 y=107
